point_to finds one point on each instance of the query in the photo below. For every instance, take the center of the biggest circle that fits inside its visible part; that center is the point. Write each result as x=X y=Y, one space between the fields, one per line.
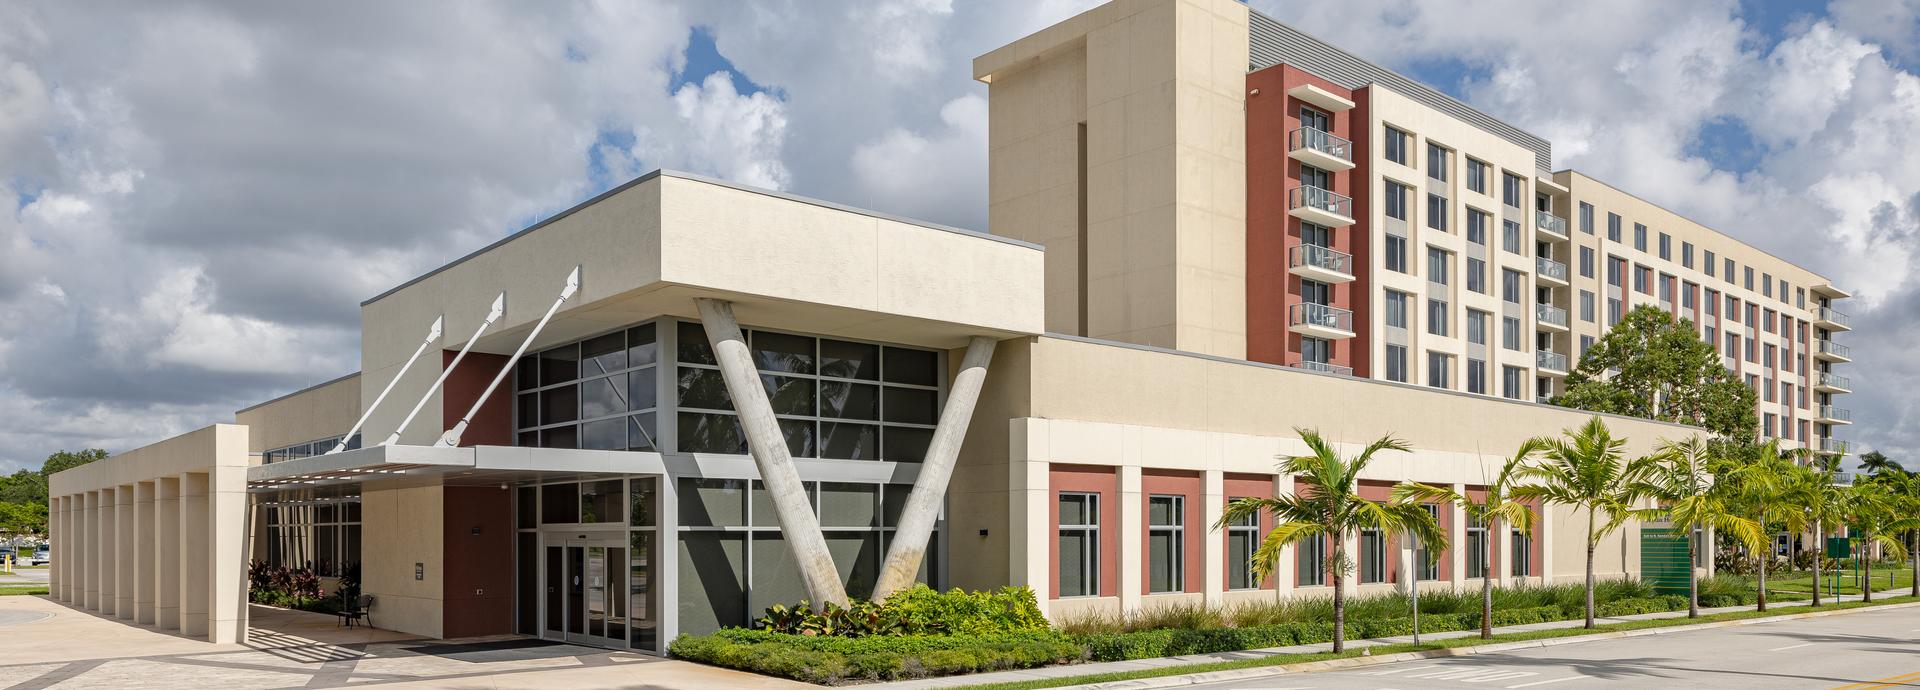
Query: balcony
x=1832 y=351
x=1322 y=367
x=1550 y=272
x=1549 y=317
x=1827 y=318
x=1320 y=263
x=1830 y=446
x=1320 y=149
x=1550 y=362
x=1551 y=226
x=1828 y=414
x=1320 y=321
x=1316 y=205
x=1829 y=382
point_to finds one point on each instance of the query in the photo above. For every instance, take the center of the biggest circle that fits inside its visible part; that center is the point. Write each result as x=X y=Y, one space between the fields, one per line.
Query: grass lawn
x=10 y=590
x=1286 y=659
x=1803 y=582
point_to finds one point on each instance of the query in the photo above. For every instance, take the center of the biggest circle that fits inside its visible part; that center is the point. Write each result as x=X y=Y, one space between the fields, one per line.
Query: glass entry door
x=586 y=591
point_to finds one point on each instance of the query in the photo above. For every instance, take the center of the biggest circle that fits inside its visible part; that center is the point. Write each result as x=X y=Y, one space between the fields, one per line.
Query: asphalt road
x=1861 y=651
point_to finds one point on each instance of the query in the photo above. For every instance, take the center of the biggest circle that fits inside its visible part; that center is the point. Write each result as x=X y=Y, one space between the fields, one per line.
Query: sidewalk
x=1165 y=662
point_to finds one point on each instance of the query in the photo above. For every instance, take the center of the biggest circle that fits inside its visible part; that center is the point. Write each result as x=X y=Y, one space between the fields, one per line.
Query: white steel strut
x=452 y=437
x=493 y=314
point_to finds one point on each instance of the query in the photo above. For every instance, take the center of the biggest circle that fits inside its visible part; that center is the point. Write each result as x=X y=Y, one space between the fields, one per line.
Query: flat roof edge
x=308 y=389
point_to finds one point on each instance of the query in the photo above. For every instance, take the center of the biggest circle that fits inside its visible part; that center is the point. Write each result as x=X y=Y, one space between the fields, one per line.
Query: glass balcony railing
x=1550 y=361
x=1322 y=316
x=1550 y=315
x=1831 y=380
x=1550 y=268
x=1828 y=347
x=1551 y=223
x=1322 y=367
x=1839 y=413
x=1829 y=315
x=1320 y=257
x=1317 y=198
x=1321 y=141
x=1830 y=445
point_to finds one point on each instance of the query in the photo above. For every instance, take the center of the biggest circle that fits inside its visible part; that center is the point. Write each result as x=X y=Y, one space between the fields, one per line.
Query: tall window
x=1396 y=309
x=1310 y=562
x=1586 y=306
x=1397 y=363
x=1706 y=258
x=1079 y=544
x=1316 y=350
x=1512 y=285
x=1436 y=162
x=1396 y=200
x=1686 y=254
x=1437 y=316
x=1522 y=556
x=1477 y=176
x=1476 y=275
x=1666 y=247
x=1476 y=547
x=1166 y=543
x=1437 y=212
x=322 y=535
x=1425 y=565
x=1399 y=144
x=1396 y=251
x=1613 y=227
x=1476 y=376
x=1586 y=217
x=1511 y=189
x=1243 y=538
x=1510 y=333
x=1437 y=261
x=1439 y=368
x=1640 y=236
x=1513 y=382
x=1477 y=222
x=1586 y=262
x=1510 y=237
x=1476 y=327
x=1373 y=556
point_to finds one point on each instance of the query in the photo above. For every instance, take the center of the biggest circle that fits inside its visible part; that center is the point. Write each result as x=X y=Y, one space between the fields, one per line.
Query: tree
x=1497 y=506
x=1875 y=463
x=1585 y=469
x=1875 y=511
x=1652 y=366
x=1328 y=506
x=1820 y=500
x=1756 y=480
x=1905 y=487
x=1678 y=478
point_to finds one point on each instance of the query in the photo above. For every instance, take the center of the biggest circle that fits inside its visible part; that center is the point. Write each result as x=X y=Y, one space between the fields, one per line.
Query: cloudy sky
x=194 y=198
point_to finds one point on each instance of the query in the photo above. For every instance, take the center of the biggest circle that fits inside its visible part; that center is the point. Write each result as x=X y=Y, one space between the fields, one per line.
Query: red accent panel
x=1094 y=480
x=477 y=581
x=1167 y=482
x=1253 y=486
x=493 y=426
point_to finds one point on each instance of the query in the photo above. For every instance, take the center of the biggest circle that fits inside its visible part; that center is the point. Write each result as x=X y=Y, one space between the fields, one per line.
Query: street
x=1861 y=651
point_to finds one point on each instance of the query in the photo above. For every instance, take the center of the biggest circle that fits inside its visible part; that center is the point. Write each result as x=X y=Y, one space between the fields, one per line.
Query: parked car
x=41 y=556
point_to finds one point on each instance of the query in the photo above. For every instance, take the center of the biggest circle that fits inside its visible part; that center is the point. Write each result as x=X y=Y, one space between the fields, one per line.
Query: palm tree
x=1329 y=506
x=1497 y=506
x=1680 y=480
x=1873 y=509
x=1585 y=469
x=1906 y=487
x=1875 y=463
x=1814 y=492
x=1758 y=481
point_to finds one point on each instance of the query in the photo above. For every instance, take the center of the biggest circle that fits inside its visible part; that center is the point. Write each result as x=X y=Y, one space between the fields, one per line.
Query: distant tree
x=23 y=494
x=1653 y=366
x=1876 y=463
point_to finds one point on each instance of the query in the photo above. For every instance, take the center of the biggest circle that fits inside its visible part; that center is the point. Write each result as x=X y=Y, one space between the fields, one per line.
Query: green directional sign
x=1663 y=560
x=1839 y=547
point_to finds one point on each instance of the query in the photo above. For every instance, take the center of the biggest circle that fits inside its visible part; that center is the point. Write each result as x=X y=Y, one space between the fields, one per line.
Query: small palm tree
x=1497 y=506
x=1876 y=463
x=1328 y=506
x=1680 y=481
x=1820 y=500
x=1758 y=480
x=1873 y=509
x=1905 y=487
x=1585 y=469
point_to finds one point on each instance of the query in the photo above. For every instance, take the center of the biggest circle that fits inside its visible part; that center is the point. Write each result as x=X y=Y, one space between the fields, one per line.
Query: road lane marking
x=1544 y=682
x=1391 y=671
x=1881 y=683
x=1791 y=646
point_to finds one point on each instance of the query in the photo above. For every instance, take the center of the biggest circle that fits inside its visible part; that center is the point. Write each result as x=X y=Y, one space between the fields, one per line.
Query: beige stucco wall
x=404 y=526
x=328 y=409
x=1160 y=86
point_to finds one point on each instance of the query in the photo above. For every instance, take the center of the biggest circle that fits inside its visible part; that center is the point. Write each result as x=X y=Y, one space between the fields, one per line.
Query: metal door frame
x=615 y=573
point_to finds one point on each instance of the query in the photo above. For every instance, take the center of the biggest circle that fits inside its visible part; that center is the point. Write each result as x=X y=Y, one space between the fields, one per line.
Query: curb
x=1362 y=661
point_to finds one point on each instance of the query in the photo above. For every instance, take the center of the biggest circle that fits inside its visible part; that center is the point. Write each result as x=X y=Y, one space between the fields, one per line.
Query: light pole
x=1413 y=582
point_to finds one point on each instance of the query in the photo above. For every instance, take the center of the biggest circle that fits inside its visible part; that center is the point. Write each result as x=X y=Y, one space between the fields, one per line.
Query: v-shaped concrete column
x=910 y=538
x=769 y=450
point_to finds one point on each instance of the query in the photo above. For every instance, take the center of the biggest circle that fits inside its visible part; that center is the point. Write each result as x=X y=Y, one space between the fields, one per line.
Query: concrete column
x=1457 y=540
x=194 y=572
x=55 y=583
x=917 y=517
x=145 y=556
x=666 y=554
x=166 y=539
x=768 y=446
x=85 y=551
x=1133 y=539
x=124 y=563
x=1351 y=543
x=1285 y=572
x=228 y=511
x=1030 y=521
x=1213 y=550
x=1503 y=559
x=1544 y=532
x=109 y=552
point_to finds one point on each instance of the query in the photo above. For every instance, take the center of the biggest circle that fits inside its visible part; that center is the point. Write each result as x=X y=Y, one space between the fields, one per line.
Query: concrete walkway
x=46 y=644
x=1165 y=662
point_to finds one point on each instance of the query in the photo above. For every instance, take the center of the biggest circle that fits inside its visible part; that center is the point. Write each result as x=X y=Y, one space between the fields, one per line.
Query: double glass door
x=586 y=591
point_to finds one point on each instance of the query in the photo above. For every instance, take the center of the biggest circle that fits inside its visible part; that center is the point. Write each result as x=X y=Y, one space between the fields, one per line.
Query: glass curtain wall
x=601 y=506
x=316 y=533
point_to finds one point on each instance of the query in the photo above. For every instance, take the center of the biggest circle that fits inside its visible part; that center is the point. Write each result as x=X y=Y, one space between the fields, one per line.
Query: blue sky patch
x=703 y=59
x=1727 y=144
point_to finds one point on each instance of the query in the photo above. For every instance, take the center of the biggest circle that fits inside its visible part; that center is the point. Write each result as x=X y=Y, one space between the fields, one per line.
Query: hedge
x=828 y=660
x=1146 y=644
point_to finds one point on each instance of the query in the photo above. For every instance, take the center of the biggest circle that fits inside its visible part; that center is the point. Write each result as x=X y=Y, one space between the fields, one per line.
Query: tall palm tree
x=1680 y=480
x=1873 y=509
x=1585 y=469
x=1758 y=481
x=1813 y=490
x=1876 y=463
x=1328 y=506
x=1497 y=506
x=1906 y=488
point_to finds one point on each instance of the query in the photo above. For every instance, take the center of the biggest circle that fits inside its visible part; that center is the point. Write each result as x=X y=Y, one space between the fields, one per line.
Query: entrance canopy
x=478 y=465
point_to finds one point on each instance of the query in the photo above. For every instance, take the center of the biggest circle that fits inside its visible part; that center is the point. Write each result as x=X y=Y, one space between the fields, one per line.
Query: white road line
x=1544 y=682
x=1791 y=646
x=1391 y=671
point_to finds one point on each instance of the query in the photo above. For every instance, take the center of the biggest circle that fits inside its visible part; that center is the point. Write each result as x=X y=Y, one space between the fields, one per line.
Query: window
x=1477 y=222
x=1513 y=382
x=1522 y=556
x=1396 y=251
x=1586 y=343
x=1439 y=367
x=1476 y=547
x=1397 y=363
x=1316 y=350
x=1614 y=309
x=1613 y=227
x=1396 y=309
x=1166 y=543
x=1437 y=316
x=1768 y=360
x=1666 y=247
x=1510 y=237
x=1476 y=176
x=1639 y=237
x=1614 y=268
x=1427 y=566
x=1687 y=295
x=1586 y=217
x=1642 y=279
x=1512 y=285
x=600 y=393
x=1436 y=162
x=1476 y=275
x=1437 y=212
x=1666 y=289
x=1510 y=333
x=1586 y=306
x=1398 y=145
x=1712 y=299
x=1733 y=309
x=1728 y=275
x=319 y=534
x=1079 y=544
x=1373 y=556
x=1707 y=259
x=1709 y=334
x=1511 y=189
x=1396 y=200
x=1686 y=254
x=1768 y=321
x=1310 y=562
x=1733 y=345
x=1437 y=261
x=1476 y=376
x=1586 y=262
x=1766 y=283
x=1243 y=538
x=1476 y=327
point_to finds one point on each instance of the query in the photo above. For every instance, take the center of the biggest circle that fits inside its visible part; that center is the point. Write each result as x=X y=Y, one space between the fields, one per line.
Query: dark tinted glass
x=711 y=433
x=642 y=347
x=849 y=400
x=906 y=445
x=559 y=404
x=526 y=508
x=604 y=354
x=606 y=434
x=849 y=360
x=849 y=441
x=780 y=352
x=560 y=503
x=527 y=373
x=603 y=396
x=789 y=395
x=559 y=365
x=560 y=437
x=910 y=405
x=910 y=366
x=641 y=393
x=641 y=433
x=703 y=388
x=693 y=344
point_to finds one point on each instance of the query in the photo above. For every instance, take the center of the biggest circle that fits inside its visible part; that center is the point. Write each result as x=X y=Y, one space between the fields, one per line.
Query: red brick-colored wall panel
x=493 y=425
x=1105 y=482
x=476 y=574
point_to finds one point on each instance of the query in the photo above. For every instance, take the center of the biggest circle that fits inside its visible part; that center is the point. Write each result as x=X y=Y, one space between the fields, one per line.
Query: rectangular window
x=1687 y=292
x=1712 y=298
x=1243 y=538
x=1510 y=333
x=1586 y=306
x=1396 y=200
x=1476 y=275
x=1476 y=327
x=1512 y=285
x=1477 y=176
x=1476 y=548
x=1437 y=316
x=1512 y=189
x=1373 y=556
x=1586 y=343
x=1706 y=258
x=1436 y=162
x=1437 y=212
x=1766 y=284
x=1476 y=376
x=1733 y=309
x=1728 y=275
x=1079 y=544
x=1613 y=227
x=1437 y=261
x=1666 y=247
x=1586 y=217
x=1310 y=562
x=1686 y=254
x=1513 y=383
x=1166 y=543
x=1510 y=237
x=1396 y=251
x=1666 y=289
x=1426 y=564
x=1522 y=556
x=1733 y=345
x=1614 y=268
x=1586 y=262
x=1613 y=311
x=1639 y=237
x=1439 y=367
x=1477 y=222
x=1397 y=363
x=1642 y=279
x=1396 y=309
x=1398 y=145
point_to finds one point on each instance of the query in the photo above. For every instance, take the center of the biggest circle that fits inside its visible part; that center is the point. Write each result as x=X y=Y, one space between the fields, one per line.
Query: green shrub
x=916 y=611
x=823 y=659
x=1638 y=605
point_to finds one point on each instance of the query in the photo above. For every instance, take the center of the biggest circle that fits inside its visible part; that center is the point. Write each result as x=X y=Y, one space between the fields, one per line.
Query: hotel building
x=1208 y=231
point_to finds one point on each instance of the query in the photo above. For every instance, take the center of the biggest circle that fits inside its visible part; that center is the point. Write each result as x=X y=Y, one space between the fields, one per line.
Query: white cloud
x=736 y=135
x=943 y=171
